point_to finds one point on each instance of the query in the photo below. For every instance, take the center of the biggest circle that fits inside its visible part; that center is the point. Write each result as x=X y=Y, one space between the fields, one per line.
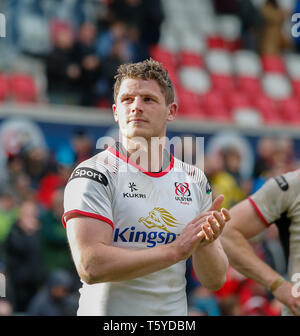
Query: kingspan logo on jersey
x=158 y=218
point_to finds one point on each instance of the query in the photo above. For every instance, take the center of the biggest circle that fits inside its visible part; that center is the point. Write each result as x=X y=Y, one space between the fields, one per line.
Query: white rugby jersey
x=144 y=210
x=278 y=202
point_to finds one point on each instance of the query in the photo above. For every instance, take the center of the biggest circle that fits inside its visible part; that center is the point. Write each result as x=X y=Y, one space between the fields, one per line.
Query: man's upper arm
x=245 y=219
x=85 y=234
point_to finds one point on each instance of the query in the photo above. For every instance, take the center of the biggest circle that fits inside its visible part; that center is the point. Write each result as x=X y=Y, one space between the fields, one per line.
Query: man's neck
x=150 y=156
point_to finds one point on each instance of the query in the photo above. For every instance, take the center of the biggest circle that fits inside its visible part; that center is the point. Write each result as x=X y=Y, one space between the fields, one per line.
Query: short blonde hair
x=147 y=70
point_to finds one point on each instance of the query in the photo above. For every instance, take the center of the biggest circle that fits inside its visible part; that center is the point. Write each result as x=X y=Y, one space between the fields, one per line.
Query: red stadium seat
x=186 y=58
x=249 y=85
x=268 y=109
x=4 y=89
x=189 y=104
x=296 y=87
x=236 y=99
x=166 y=57
x=290 y=110
x=222 y=82
x=215 y=108
x=23 y=88
x=273 y=63
x=215 y=42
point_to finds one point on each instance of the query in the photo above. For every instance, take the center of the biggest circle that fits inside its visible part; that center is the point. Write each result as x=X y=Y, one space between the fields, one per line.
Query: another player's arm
x=245 y=224
x=97 y=261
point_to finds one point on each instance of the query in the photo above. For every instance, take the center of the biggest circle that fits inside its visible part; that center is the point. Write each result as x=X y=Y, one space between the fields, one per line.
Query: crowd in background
x=87 y=41
x=35 y=257
x=81 y=43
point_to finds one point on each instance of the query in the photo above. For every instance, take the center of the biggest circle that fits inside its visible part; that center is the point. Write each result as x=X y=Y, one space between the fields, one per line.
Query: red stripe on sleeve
x=87 y=214
x=259 y=212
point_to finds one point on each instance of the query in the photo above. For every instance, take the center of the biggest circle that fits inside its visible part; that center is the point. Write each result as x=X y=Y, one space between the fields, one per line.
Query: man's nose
x=137 y=105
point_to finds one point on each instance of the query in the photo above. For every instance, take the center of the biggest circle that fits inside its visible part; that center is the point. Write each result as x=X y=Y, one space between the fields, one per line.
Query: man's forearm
x=242 y=257
x=210 y=264
x=109 y=263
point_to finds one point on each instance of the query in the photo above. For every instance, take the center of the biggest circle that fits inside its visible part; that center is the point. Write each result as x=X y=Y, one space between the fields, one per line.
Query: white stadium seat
x=219 y=62
x=206 y=24
x=292 y=63
x=168 y=38
x=247 y=117
x=247 y=63
x=194 y=79
x=276 y=86
x=229 y=27
x=192 y=42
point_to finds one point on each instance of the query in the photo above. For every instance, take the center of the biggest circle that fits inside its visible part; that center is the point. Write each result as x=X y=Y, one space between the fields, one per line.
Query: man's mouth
x=137 y=120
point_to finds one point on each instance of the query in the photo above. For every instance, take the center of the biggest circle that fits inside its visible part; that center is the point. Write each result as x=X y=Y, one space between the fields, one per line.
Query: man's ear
x=172 y=111
x=114 y=108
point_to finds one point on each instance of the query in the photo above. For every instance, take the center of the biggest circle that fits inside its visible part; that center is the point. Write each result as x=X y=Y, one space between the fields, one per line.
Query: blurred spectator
x=114 y=48
x=89 y=62
x=82 y=146
x=273 y=40
x=145 y=17
x=110 y=64
x=228 y=180
x=22 y=255
x=252 y=24
x=23 y=188
x=254 y=301
x=203 y=302
x=36 y=165
x=230 y=306
x=265 y=150
x=63 y=72
x=56 y=178
x=55 y=299
x=251 y=19
x=284 y=156
x=225 y=6
x=8 y=214
x=15 y=167
x=117 y=32
x=55 y=249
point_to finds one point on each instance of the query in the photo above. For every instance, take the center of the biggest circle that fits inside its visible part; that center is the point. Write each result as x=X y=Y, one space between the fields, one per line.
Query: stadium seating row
x=18 y=87
x=217 y=84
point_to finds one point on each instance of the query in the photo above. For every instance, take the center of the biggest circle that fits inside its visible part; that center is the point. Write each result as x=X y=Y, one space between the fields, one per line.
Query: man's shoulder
x=287 y=181
x=102 y=162
x=102 y=167
x=194 y=172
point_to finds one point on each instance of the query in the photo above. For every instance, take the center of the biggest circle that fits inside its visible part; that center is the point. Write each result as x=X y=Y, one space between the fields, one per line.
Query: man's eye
x=126 y=99
x=148 y=99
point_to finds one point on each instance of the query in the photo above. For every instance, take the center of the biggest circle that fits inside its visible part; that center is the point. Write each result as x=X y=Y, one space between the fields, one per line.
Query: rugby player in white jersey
x=132 y=225
x=276 y=202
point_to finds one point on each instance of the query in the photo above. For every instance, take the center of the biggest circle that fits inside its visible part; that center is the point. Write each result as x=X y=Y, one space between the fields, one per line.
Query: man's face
x=141 y=109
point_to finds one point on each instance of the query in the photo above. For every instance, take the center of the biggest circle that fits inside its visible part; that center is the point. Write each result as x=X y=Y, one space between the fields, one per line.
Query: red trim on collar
x=126 y=159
